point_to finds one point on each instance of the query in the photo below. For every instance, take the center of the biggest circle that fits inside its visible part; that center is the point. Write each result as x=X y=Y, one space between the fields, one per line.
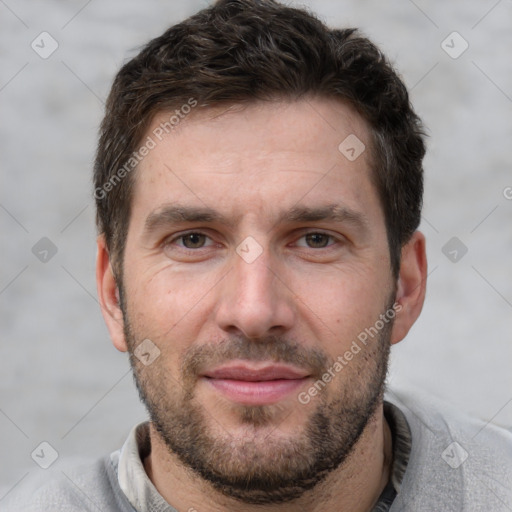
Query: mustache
x=277 y=349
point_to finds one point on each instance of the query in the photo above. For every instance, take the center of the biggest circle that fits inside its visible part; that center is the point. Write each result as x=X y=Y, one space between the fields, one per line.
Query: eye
x=191 y=240
x=316 y=240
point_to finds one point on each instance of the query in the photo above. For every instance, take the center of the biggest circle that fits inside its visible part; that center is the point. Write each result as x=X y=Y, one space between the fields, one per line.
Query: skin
x=251 y=164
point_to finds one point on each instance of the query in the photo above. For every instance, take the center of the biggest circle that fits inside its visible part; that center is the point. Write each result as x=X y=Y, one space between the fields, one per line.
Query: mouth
x=264 y=384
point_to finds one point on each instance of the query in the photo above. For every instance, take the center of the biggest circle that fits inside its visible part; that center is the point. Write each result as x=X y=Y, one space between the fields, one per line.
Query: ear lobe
x=108 y=294
x=411 y=286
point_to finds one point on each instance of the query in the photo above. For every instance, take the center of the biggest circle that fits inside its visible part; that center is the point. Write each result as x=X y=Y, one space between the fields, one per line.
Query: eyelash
x=186 y=249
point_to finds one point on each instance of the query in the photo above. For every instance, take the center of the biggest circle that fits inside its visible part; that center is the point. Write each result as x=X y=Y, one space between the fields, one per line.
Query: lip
x=255 y=385
x=252 y=373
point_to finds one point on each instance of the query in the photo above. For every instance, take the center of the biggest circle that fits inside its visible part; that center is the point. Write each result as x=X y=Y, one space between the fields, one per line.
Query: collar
x=131 y=475
x=401 y=440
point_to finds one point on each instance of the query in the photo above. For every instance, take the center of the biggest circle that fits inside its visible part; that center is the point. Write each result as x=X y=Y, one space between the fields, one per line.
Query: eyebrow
x=174 y=214
x=331 y=212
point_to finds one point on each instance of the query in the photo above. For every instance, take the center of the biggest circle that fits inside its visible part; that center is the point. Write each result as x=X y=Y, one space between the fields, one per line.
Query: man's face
x=239 y=275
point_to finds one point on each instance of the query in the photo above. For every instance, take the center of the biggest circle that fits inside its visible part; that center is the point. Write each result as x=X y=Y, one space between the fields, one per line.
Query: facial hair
x=262 y=466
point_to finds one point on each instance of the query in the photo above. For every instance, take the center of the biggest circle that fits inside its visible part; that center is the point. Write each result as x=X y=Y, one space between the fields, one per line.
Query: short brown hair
x=240 y=51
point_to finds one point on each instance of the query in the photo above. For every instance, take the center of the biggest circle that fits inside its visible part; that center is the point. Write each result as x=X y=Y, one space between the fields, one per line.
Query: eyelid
x=177 y=236
x=308 y=231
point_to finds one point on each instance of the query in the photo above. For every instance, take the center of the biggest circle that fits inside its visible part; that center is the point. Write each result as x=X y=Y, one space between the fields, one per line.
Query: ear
x=108 y=294
x=411 y=286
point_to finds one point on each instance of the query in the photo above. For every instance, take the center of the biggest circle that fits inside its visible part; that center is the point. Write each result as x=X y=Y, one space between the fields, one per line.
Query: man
x=258 y=185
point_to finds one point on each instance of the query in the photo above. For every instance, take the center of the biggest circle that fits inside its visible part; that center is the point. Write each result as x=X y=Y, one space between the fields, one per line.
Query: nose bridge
x=254 y=279
x=253 y=300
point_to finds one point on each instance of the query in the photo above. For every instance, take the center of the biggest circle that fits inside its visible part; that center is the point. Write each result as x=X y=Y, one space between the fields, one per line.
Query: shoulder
x=457 y=462
x=84 y=488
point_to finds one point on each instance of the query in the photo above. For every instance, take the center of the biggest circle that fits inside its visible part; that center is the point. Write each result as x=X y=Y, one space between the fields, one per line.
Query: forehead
x=274 y=125
x=263 y=156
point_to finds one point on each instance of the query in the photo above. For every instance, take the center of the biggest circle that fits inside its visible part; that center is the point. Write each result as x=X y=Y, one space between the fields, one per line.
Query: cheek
x=340 y=304
x=167 y=307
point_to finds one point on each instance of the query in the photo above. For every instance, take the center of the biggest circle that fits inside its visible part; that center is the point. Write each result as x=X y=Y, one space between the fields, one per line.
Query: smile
x=248 y=385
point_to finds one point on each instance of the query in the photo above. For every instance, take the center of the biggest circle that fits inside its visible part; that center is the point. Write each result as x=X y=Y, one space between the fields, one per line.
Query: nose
x=254 y=300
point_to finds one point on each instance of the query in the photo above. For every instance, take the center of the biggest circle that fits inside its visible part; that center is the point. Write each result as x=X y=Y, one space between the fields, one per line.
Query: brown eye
x=317 y=240
x=193 y=240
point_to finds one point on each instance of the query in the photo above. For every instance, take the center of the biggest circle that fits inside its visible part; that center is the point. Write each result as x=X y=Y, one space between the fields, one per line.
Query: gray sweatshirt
x=456 y=463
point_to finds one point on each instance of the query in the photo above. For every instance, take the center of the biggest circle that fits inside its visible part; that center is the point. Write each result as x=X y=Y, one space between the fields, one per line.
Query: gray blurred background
x=61 y=380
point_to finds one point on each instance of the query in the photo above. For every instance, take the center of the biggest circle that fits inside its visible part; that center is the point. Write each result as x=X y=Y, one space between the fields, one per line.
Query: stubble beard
x=262 y=466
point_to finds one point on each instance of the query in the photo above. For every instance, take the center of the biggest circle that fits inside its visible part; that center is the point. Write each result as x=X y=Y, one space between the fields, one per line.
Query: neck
x=355 y=485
